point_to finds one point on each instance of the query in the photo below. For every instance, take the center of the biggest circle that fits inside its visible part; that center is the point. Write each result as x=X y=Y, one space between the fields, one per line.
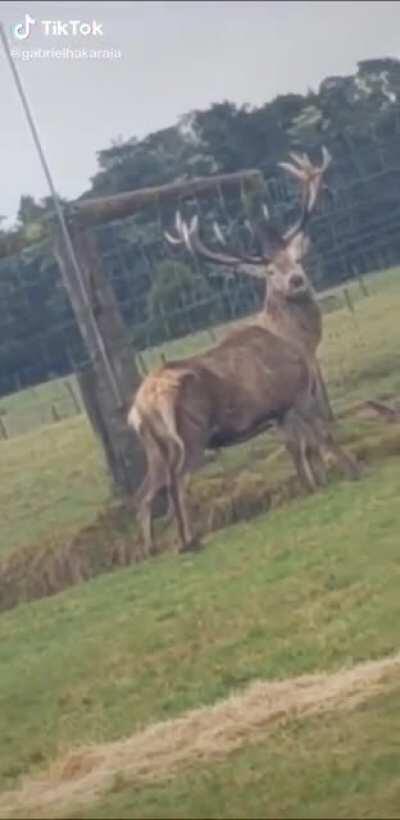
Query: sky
x=163 y=60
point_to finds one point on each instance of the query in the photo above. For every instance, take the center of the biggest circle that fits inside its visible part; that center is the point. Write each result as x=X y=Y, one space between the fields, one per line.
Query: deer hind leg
x=144 y=503
x=171 y=506
x=179 y=501
x=155 y=480
x=179 y=480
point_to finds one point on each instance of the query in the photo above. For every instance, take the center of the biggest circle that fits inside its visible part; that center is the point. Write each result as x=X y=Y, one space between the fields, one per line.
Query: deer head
x=278 y=255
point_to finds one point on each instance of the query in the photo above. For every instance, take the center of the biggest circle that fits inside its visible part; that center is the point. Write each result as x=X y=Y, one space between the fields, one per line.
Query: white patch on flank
x=134 y=419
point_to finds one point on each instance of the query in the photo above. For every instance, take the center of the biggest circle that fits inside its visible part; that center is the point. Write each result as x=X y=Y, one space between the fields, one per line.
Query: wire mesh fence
x=60 y=522
x=173 y=304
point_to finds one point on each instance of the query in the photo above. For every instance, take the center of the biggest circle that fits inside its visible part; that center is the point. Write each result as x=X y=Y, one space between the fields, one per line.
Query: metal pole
x=60 y=217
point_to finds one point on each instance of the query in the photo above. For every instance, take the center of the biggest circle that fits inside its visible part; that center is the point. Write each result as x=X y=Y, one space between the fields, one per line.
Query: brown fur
x=263 y=374
x=250 y=381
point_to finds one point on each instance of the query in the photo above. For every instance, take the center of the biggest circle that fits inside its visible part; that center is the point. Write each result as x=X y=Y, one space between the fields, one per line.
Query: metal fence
x=166 y=296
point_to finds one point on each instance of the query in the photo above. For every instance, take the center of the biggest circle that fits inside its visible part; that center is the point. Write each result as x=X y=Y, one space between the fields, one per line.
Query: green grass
x=307 y=588
x=31 y=409
x=54 y=481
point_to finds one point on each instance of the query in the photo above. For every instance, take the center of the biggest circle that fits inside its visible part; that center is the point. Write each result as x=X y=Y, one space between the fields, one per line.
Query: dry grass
x=200 y=736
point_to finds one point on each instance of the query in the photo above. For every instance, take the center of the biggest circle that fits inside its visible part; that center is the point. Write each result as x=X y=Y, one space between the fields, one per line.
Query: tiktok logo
x=22 y=30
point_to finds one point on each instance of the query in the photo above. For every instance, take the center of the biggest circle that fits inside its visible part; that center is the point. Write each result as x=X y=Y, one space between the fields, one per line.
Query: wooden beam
x=105 y=209
x=106 y=411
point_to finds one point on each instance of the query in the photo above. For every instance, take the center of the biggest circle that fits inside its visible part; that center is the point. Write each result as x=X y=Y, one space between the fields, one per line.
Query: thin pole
x=60 y=216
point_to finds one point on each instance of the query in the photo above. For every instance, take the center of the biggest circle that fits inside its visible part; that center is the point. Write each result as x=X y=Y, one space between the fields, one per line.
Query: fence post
x=3 y=428
x=106 y=403
x=348 y=301
x=363 y=287
x=71 y=391
x=54 y=413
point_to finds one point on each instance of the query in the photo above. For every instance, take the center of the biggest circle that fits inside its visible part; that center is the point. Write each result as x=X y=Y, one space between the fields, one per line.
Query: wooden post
x=54 y=413
x=98 y=211
x=110 y=380
x=75 y=401
x=106 y=400
x=363 y=287
x=348 y=300
x=3 y=428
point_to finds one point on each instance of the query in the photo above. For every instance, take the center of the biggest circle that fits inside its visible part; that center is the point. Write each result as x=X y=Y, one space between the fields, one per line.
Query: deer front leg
x=323 y=401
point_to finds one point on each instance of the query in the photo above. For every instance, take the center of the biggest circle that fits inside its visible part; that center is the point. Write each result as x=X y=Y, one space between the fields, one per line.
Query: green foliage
x=357 y=117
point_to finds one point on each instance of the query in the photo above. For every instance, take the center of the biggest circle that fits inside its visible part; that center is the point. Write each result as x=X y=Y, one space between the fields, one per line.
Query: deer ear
x=298 y=247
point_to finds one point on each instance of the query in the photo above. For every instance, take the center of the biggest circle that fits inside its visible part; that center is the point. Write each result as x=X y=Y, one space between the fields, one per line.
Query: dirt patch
x=200 y=736
x=37 y=572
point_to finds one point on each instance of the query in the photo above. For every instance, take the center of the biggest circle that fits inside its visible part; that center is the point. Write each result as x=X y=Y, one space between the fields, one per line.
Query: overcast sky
x=176 y=56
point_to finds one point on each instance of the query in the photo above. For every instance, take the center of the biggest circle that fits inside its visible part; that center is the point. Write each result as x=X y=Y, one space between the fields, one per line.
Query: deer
x=255 y=379
x=290 y=309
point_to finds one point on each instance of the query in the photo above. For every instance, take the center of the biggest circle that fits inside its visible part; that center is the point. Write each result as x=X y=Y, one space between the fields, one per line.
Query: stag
x=255 y=379
x=290 y=308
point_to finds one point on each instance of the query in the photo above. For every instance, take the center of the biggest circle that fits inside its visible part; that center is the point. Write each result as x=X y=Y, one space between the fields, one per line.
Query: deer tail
x=160 y=422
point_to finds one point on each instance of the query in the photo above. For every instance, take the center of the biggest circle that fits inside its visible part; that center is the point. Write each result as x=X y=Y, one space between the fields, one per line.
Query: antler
x=189 y=236
x=311 y=178
x=269 y=239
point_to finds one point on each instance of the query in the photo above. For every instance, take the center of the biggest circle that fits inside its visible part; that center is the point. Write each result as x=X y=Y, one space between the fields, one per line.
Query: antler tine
x=303 y=168
x=183 y=232
x=295 y=172
x=221 y=258
x=218 y=233
x=247 y=224
x=310 y=177
x=265 y=212
x=188 y=235
x=179 y=239
x=172 y=239
x=178 y=222
x=326 y=158
x=302 y=161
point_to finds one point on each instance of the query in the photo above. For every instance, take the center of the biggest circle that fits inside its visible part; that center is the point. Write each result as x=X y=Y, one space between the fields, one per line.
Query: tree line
x=357 y=117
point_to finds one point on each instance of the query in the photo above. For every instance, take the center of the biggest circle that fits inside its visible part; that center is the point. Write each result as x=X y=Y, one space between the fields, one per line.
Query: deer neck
x=297 y=321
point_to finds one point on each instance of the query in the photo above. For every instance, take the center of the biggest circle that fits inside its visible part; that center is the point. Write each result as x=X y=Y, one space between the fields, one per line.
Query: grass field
x=53 y=481
x=309 y=588
x=312 y=586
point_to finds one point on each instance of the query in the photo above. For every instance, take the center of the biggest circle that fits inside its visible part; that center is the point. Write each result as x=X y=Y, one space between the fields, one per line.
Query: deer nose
x=296 y=281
